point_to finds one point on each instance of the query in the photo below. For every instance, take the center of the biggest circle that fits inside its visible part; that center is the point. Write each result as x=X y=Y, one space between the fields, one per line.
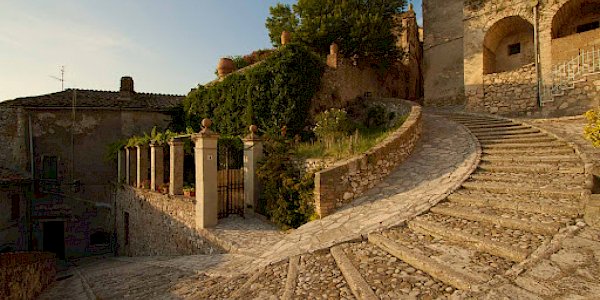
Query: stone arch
x=576 y=16
x=508 y=45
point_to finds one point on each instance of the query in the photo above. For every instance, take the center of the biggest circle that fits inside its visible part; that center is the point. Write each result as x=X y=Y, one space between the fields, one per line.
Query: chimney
x=127 y=85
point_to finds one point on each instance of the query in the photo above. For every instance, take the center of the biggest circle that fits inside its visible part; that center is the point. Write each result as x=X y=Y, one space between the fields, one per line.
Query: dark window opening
x=15 y=207
x=514 y=49
x=99 y=238
x=49 y=167
x=588 y=27
x=126 y=226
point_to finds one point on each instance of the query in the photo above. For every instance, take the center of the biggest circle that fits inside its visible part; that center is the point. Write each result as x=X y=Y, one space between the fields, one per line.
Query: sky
x=166 y=46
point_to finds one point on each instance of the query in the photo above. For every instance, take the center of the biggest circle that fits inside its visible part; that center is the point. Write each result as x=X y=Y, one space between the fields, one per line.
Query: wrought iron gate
x=230 y=177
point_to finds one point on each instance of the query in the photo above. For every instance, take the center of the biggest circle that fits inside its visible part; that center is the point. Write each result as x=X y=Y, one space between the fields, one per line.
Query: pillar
x=130 y=165
x=157 y=166
x=176 y=166
x=121 y=167
x=142 y=164
x=207 y=196
x=253 y=153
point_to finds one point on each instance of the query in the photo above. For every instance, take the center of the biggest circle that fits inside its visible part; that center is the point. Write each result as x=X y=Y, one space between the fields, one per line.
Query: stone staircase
x=528 y=186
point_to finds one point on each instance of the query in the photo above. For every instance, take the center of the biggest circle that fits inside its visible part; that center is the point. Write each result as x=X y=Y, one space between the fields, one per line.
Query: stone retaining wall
x=25 y=275
x=512 y=92
x=347 y=180
x=158 y=225
x=585 y=95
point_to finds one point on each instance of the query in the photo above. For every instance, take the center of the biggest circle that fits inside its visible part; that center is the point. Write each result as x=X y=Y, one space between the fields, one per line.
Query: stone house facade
x=61 y=140
x=513 y=57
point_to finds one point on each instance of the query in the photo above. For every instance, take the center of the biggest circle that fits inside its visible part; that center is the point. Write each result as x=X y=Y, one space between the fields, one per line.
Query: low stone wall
x=25 y=275
x=585 y=95
x=508 y=93
x=347 y=180
x=158 y=225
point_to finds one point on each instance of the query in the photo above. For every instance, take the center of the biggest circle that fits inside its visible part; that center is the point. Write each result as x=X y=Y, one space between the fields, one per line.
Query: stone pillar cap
x=252 y=136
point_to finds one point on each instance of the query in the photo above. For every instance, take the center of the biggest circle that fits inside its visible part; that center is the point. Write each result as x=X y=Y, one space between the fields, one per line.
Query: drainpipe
x=536 y=47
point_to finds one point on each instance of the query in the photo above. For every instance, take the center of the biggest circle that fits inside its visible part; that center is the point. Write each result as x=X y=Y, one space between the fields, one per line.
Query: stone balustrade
x=25 y=275
x=347 y=180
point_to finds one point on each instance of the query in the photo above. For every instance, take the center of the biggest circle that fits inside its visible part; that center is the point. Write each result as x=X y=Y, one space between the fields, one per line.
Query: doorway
x=54 y=238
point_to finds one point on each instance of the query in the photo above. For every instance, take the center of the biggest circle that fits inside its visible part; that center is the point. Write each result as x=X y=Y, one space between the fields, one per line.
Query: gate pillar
x=157 y=166
x=176 y=156
x=205 y=155
x=253 y=153
x=142 y=164
x=130 y=166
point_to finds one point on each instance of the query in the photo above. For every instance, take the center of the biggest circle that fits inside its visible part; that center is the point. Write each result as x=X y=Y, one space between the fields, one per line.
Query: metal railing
x=566 y=75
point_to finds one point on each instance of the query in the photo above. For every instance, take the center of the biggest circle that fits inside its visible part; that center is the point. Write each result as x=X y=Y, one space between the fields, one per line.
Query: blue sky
x=166 y=46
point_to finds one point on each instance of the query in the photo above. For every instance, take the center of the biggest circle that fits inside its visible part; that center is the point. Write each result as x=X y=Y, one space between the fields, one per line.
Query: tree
x=359 y=27
x=282 y=19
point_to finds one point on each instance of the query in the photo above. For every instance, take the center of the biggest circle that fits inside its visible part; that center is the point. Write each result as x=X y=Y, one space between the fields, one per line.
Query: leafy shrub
x=591 y=131
x=274 y=94
x=286 y=195
x=332 y=123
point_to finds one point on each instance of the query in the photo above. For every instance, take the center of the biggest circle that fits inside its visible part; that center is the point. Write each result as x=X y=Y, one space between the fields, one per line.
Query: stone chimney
x=126 y=85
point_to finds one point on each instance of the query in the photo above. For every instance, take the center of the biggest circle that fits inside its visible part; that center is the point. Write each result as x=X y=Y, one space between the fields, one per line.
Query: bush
x=273 y=94
x=286 y=195
x=332 y=123
x=591 y=131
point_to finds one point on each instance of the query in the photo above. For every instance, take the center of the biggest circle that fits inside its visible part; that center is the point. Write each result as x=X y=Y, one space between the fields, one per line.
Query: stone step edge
x=542 y=207
x=545 y=150
x=515 y=140
x=510 y=177
x=536 y=159
x=526 y=145
x=511 y=189
x=505 y=129
x=463 y=213
x=238 y=293
x=439 y=271
x=472 y=241
x=530 y=170
x=359 y=287
x=489 y=125
x=292 y=277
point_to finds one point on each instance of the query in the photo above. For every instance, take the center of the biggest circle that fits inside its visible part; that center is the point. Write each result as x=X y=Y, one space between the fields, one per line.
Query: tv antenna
x=61 y=78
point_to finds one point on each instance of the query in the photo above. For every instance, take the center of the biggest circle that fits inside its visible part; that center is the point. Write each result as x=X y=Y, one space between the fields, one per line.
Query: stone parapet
x=346 y=180
x=25 y=275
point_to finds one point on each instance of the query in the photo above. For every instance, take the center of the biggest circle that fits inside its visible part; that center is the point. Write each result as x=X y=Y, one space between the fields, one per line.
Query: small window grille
x=514 y=49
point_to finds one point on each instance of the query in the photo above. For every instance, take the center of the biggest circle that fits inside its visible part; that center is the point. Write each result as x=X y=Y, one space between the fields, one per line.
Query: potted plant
x=163 y=188
x=146 y=184
x=189 y=191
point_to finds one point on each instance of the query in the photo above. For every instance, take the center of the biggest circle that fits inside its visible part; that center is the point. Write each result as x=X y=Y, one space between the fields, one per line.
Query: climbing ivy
x=273 y=94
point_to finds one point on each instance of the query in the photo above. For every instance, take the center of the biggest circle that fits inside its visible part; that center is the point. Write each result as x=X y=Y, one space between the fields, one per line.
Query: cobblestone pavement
x=250 y=235
x=446 y=154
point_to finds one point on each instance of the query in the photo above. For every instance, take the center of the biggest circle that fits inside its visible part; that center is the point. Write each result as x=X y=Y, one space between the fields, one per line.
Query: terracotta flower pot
x=286 y=37
x=225 y=66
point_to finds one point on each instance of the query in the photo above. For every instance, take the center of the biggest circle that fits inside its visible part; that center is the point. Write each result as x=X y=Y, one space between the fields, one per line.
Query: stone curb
x=360 y=288
x=86 y=286
x=292 y=278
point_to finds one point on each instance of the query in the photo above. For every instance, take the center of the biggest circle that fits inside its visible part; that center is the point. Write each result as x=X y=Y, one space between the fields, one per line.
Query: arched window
x=508 y=45
x=576 y=16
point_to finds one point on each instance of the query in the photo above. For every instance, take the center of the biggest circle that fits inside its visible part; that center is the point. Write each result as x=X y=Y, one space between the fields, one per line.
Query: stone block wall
x=512 y=92
x=13 y=146
x=347 y=180
x=25 y=275
x=158 y=225
x=584 y=96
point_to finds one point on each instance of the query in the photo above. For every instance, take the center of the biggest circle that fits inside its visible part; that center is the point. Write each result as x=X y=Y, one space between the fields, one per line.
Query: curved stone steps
x=534 y=138
x=507 y=132
x=508 y=129
x=564 y=149
x=559 y=181
x=490 y=125
x=505 y=188
x=525 y=146
x=553 y=159
x=532 y=169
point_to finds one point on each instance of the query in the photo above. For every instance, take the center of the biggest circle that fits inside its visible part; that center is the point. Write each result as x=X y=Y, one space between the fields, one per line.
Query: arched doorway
x=508 y=45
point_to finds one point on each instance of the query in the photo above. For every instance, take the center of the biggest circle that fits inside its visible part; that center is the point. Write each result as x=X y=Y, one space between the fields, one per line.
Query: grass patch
x=340 y=147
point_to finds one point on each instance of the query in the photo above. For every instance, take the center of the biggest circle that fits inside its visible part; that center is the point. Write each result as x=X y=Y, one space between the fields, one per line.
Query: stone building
x=61 y=141
x=513 y=57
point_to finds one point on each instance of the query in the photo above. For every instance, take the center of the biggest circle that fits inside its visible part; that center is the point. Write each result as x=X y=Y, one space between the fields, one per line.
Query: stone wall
x=14 y=141
x=13 y=229
x=25 y=275
x=347 y=180
x=443 y=69
x=565 y=48
x=584 y=96
x=158 y=225
x=341 y=85
x=512 y=92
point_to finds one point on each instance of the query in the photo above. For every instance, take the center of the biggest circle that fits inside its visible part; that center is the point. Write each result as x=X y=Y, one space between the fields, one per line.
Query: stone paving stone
x=443 y=158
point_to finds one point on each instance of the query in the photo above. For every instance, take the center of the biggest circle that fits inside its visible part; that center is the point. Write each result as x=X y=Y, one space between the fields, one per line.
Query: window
x=15 y=207
x=588 y=27
x=514 y=49
x=126 y=227
x=49 y=167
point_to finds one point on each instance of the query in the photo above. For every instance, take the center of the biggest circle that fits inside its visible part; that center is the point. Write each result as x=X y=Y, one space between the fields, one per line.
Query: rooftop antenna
x=62 y=78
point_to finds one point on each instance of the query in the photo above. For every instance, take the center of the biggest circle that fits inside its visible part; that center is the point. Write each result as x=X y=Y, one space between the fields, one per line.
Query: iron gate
x=230 y=177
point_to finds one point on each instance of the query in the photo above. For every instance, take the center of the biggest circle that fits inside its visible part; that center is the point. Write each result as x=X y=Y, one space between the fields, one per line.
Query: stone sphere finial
x=206 y=123
x=253 y=129
x=286 y=37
